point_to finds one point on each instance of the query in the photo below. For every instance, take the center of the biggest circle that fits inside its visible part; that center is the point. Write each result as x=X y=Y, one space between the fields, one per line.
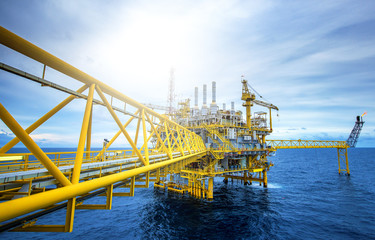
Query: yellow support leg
x=147 y=179
x=158 y=175
x=347 y=162
x=210 y=193
x=203 y=189
x=342 y=155
x=265 y=180
x=200 y=190
x=109 y=197
x=339 y=159
x=132 y=186
x=69 y=220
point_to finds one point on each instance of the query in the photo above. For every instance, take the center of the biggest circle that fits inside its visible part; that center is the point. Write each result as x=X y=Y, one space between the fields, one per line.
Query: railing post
x=26 y=166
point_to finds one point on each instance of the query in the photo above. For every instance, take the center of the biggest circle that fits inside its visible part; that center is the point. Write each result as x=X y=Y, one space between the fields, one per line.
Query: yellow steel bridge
x=37 y=183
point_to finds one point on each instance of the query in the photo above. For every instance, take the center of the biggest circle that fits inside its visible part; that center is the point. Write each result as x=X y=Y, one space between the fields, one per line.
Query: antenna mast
x=171 y=95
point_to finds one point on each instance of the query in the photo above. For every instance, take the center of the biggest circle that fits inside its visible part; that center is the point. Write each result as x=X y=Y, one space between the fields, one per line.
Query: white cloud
x=52 y=138
x=6 y=133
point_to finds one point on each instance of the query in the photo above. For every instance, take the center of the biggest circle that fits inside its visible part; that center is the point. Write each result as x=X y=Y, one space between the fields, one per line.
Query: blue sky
x=314 y=61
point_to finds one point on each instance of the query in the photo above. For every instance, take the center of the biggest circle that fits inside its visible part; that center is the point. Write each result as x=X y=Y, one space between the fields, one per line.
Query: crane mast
x=250 y=99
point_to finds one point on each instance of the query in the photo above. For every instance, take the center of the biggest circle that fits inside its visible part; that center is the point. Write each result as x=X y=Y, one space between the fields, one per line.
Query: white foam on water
x=274 y=185
x=270 y=185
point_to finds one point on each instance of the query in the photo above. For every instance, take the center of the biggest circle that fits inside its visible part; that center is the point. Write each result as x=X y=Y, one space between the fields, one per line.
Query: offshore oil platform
x=182 y=152
x=237 y=148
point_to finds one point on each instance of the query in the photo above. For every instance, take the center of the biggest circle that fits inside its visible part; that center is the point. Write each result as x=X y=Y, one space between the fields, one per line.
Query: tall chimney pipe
x=213 y=92
x=196 y=96
x=204 y=94
x=224 y=106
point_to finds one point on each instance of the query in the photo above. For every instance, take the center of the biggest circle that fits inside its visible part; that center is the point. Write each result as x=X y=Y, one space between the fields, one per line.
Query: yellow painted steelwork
x=290 y=144
x=31 y=145
x=40 y=121
x=18 y=207
x=249 y=99
x=82 y=137
x=342 y=154
x=171 y=139
x=342 y=148
x=178 y=149
x=28 y=49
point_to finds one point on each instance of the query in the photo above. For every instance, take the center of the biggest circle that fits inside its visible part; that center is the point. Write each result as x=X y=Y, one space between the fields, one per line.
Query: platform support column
x=342 y=154
x=147 y=179
x=339 y=160
x=132 y=186
x=203 y=188
x=194 y=188
x=210 y=193
x=109 y=194
x=265 y=180
x=200 y=189
x=69 y=220
x=158 y=175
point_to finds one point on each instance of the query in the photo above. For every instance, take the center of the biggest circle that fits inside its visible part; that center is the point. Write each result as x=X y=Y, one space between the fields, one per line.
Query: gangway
x=341 y=146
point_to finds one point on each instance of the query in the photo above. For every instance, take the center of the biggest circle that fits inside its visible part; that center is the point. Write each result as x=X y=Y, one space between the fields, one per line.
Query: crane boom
x=158 y=107
x=265 y=104
x=249 y=99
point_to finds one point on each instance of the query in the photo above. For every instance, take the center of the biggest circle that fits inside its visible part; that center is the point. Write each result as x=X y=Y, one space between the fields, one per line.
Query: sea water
x=306 y=198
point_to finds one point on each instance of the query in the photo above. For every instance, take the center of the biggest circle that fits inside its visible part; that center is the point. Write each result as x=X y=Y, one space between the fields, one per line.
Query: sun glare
x=144 y=49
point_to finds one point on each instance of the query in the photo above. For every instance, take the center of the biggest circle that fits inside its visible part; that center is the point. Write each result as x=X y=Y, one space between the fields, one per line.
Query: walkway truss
x=37 y=183
x=341 y=146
